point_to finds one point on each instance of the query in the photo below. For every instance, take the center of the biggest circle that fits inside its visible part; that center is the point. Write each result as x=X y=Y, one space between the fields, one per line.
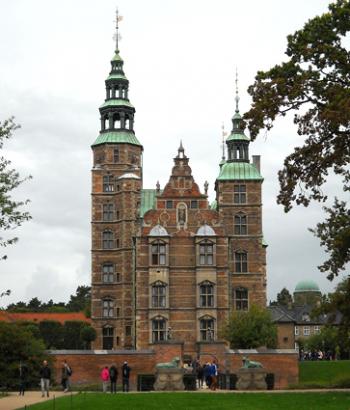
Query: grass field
x=199 y=401
x=325 y=373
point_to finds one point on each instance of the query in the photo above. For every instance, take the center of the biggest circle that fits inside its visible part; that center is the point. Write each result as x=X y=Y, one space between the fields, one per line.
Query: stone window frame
x=296 y=330
x=306 y=330
x=110 y=275
x=107 y=307
x=158 y=284
x=108 y=211
x=240 y=193
x=240 y=227
x=207 y=295
x=108 y=183
x=111 y=337
x=207 y=334
x=107 y=242
x=157 y=334
x=157 y=242
x=205 y=241
x=242 y=301
x=239 y=262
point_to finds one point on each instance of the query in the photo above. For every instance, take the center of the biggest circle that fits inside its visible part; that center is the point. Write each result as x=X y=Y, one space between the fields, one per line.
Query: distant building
x=307 y=292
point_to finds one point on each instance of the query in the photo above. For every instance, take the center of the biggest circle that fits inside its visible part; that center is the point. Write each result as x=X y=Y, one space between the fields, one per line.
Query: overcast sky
x=180 y=58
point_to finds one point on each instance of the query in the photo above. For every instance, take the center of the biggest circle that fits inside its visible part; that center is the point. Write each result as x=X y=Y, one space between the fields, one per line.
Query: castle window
x=241 y=299
x=158 y=329
x=107 y=337
x=206 y=250
x=116 y=155
x=169 y=204
x=206 y=329
x=240 y=194
x=194 y=204
x=241 y=262
x=159 y=295
x=240 y=224
x=108 y=273
x=206 y=294
x=107 y=308
x=108 y=211
x=108 y=183
x=158 y=251
x=107 y=240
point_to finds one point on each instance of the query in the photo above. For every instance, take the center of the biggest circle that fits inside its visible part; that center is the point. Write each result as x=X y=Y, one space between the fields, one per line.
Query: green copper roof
x=237 y=136
x=117 y=57
x=214 y=205
x=307 y=286
x=239 y=171
x=148 y=200
x=116 y=77
x=116 y=137
x=117 y=102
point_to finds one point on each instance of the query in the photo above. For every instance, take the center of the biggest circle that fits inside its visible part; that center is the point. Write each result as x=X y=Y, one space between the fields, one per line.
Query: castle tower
x=238 y=201
x=116 y=201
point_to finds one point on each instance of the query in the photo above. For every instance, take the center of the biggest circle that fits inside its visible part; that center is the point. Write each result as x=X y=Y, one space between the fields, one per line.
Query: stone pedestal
x=251 y=379
x=169 y=380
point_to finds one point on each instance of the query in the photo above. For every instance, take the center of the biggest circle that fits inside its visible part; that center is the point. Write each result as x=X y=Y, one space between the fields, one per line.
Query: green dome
x=307 y=286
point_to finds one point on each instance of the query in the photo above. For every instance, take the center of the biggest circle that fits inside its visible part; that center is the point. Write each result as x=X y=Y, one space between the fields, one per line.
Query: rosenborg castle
x=166 y=264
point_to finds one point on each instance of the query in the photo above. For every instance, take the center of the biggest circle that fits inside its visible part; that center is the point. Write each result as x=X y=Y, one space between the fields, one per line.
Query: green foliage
x=326 y=340
x=250 y=329
x=72 y=330
x=52 y=334
x=284 y=298
x=17 y=344
x=81 y=301
x=87 y=335
x=195 y=401
x=314 y=82
x=11 y=214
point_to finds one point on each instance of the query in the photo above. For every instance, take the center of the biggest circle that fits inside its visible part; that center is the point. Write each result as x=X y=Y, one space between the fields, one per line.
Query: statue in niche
x=181 y=214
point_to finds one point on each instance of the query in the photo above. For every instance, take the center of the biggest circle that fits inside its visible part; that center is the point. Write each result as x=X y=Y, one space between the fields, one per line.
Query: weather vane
x=117 y=37
x=237 y=96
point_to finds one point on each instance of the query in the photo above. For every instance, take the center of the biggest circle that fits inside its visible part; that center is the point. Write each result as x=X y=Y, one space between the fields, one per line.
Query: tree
x=17 y=344
x=81 y=301
x=72 y=331
x=284 y=298
x=87 y=335
x=326 y=340
x=51 y=332
x=250 y=329
x=11 y=213
x=314 y=82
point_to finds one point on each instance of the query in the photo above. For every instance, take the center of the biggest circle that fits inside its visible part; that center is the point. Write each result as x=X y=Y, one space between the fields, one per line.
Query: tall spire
x=237 y=96
x=117 y=36
x=223 y=141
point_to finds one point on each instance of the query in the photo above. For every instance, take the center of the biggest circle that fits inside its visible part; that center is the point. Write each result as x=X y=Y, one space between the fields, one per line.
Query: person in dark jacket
x=126 y=374
x=113 y=377
x=206 y=373
x=23 y=376
x=45 y=376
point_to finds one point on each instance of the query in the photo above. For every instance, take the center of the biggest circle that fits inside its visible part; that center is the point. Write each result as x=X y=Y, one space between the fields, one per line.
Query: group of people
x=206 y=374
x=109 y=376
x=316 y=355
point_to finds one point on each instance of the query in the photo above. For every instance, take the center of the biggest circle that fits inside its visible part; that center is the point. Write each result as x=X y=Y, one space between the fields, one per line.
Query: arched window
x=107 y=308
x=107 y=240
x=206 y=329
x=107 y=337
x=116 y=121
x=159 y=295
x=240 y=224
x=158 y=253
x=240 y=299
x=206 y=294
x=108 y=273
x=241 y=262
x=206 y=251
x=240 y=194
x=108 y=183
x=159 y=332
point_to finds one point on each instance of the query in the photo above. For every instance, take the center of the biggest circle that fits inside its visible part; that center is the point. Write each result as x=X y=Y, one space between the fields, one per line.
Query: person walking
x=23 y=376
x=105 y=379
x=126 y=375
x=66 y=373
x=45 y=376
x=200 y=375
x=206 y=374
x=113 y=376
x=214 y=376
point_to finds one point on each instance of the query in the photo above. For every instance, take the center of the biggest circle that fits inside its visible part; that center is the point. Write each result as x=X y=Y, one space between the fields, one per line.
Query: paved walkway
x=14 y=401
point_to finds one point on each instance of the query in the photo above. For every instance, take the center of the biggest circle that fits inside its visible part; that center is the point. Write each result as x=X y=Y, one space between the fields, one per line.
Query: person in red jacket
x=105 y=379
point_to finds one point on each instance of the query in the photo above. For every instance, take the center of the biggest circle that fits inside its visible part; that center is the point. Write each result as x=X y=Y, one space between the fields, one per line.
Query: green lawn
x=200 y=401
x=326 y=373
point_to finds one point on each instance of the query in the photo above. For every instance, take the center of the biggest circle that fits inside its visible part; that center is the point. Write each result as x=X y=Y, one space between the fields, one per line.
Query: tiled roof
x=38 y=317
x=301 y=315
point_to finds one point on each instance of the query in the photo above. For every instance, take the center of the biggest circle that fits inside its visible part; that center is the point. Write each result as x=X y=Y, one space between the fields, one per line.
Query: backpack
x=69 y=371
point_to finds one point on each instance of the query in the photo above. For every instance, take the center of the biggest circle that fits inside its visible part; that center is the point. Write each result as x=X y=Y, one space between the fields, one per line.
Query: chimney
x=256 y=161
